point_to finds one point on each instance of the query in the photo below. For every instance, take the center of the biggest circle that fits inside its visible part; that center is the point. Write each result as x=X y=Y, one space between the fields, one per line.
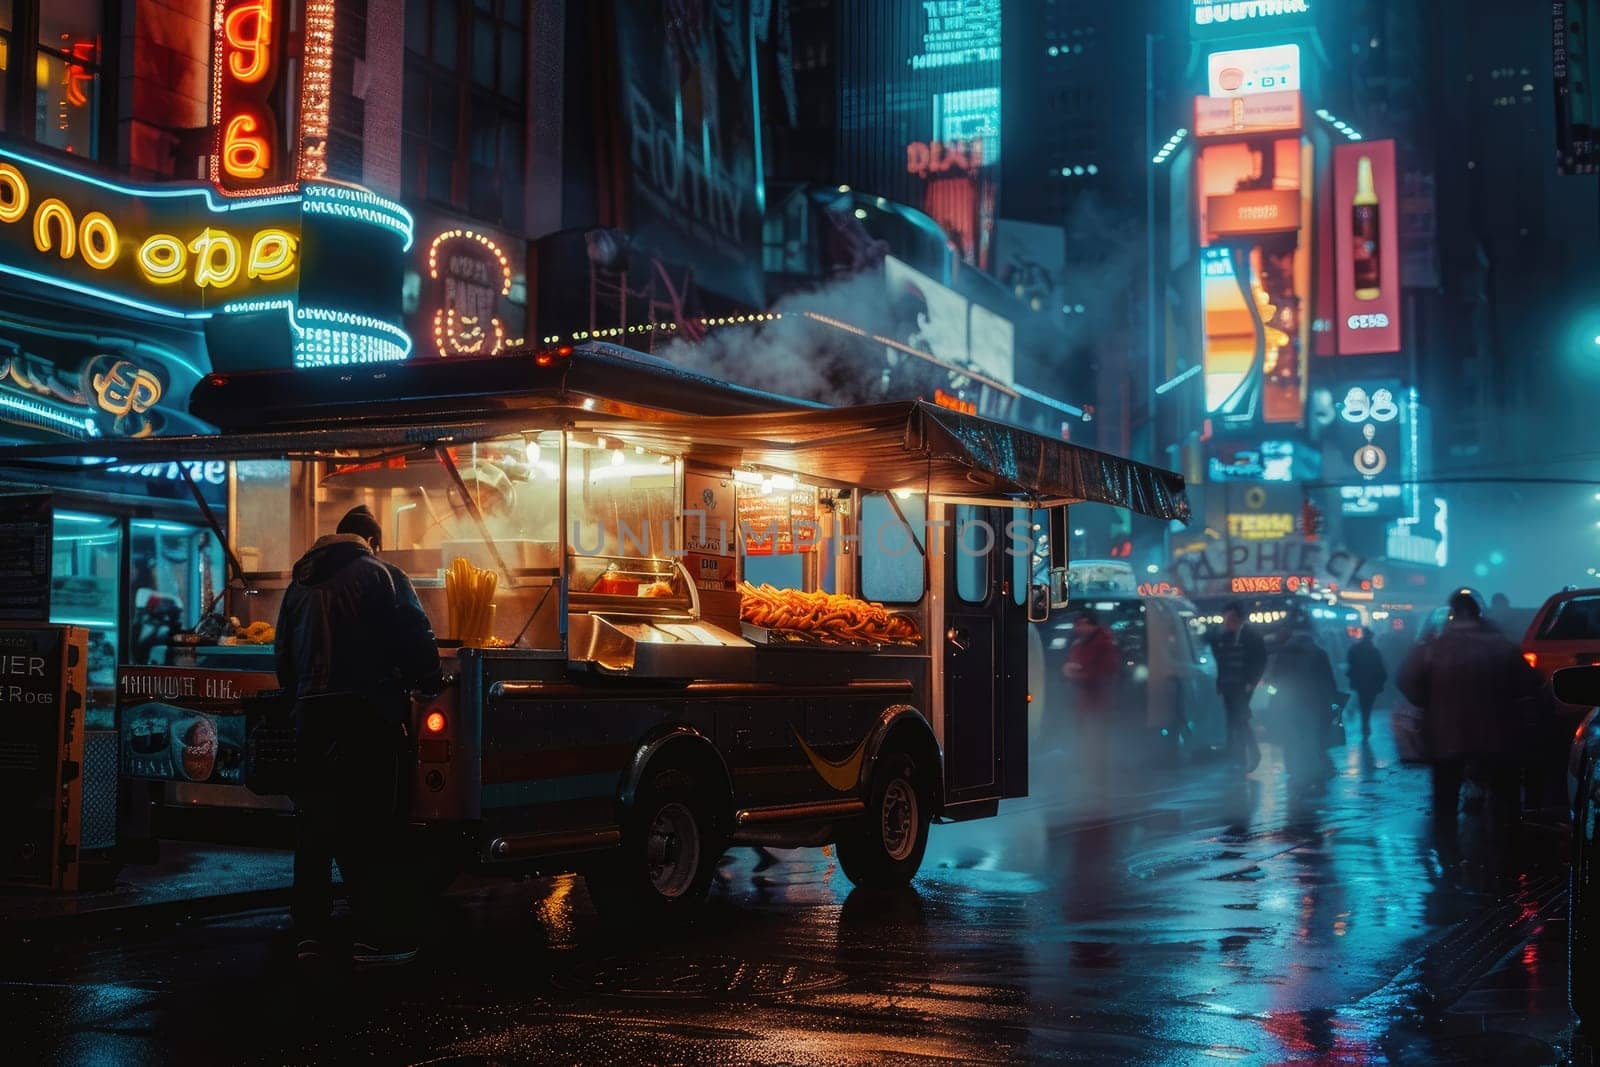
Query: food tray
x=802 y=639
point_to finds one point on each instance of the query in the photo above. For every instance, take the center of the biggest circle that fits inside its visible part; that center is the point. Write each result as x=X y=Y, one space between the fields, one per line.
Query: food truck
x=676 y=614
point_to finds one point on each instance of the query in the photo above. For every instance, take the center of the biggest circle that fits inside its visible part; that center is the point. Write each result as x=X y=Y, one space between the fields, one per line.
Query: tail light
x=435 y=722
x=1532 y=658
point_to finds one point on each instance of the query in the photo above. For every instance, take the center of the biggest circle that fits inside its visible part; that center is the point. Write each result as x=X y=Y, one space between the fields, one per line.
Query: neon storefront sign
x=252 y=77
x=185 y=252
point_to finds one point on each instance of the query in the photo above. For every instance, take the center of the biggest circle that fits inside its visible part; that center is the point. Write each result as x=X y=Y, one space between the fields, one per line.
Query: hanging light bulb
x=534 y=453
x=616 y=458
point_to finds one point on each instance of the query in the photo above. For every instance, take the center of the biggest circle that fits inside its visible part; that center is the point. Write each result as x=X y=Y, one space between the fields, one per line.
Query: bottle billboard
x=1366 y=248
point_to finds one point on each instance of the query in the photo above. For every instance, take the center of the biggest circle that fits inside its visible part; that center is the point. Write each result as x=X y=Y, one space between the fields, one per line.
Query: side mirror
x=1578 y=685
x=1038 y=603
x=1058 y=587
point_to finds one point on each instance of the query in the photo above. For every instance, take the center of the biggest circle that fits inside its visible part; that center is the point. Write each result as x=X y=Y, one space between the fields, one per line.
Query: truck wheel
x=883 y=848
x=669 y=852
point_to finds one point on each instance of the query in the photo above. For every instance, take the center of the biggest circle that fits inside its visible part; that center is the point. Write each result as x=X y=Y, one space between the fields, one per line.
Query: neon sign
x=929 y=159
x=162 y=249
x=184 y=252
x=106 y=391
x=474 y=275
x=248 y=68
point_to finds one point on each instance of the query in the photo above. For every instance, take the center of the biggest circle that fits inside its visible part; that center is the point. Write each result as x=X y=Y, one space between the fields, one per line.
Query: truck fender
x=676 y=742
x=902 y=727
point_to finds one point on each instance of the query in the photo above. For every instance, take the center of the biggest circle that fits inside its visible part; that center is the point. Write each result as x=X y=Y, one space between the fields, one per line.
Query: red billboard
x=1366 y=248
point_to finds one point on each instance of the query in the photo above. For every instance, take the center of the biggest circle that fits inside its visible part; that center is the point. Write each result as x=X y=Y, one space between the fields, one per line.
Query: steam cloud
x=797 y=355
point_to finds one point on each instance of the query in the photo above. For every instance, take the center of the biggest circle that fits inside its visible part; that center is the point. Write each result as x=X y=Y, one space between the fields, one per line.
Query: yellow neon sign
x=163 y=259
x=272 y=255
x=97 y=240
x=53 y=209
x=13 y=193
x=216 y=258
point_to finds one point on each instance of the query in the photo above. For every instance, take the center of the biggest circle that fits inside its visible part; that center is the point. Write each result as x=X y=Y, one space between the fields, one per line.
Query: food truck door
x=985 y=657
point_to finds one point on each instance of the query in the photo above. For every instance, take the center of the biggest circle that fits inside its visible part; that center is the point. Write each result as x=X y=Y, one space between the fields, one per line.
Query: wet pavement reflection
x=1186 y=914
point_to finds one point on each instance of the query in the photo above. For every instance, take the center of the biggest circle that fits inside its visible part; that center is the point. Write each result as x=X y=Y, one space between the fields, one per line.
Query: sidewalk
x=190 y=878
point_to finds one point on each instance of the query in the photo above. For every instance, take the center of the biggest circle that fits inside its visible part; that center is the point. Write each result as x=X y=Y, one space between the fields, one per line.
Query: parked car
x=1168 y=672
x=1580 y=687
x=1565 y=632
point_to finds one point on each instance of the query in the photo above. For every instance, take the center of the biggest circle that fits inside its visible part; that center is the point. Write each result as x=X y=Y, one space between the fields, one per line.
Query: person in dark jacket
x=1241 y=661
x=1368 y=674
x=1093 y=667
x=352 y=641
x=1302 y=703
x=1469 y=683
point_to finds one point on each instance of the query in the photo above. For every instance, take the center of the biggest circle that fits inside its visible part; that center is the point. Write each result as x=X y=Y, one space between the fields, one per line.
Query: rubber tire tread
x=862 y=855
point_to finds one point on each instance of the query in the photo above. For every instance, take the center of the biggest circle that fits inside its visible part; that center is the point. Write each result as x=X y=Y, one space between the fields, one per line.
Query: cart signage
x=778 y=522
x=183 y=724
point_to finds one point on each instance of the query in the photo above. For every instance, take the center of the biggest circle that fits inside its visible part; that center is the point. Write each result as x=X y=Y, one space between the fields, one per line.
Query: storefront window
x=86 y=564
x=176 y=576
x=67 y=104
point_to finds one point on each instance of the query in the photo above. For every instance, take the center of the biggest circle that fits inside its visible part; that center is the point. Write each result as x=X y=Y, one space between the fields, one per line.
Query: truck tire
x=883 y=848
x=671 y=842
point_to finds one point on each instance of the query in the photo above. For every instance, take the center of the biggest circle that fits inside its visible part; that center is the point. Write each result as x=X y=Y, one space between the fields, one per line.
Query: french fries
x=469 y=592
x=827 y=615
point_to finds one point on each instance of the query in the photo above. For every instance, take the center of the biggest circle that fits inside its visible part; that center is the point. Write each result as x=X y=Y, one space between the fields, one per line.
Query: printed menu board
x=778 y=522
x=185 y=724
x=25 y=526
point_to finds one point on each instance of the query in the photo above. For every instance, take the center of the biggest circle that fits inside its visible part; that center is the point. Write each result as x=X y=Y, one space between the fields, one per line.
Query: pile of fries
x=825 y=615
x=469 y=592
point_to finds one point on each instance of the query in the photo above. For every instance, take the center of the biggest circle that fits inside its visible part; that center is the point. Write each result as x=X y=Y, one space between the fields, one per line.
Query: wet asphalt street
x=1185 y=916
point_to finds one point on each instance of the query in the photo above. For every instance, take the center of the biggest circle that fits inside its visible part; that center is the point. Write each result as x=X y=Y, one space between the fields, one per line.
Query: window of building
x=53 y=88
x=465 y=109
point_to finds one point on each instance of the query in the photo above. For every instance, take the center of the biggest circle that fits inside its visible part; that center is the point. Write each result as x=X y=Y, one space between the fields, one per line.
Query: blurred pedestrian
x=1303 y=709
x=1469 y=683
x=1093 y=668
x=1367 y=673
x=1241 y=657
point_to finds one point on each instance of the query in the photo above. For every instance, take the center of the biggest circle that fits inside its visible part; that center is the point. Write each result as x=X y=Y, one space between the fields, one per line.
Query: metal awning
x=909 y=445
x=920 y=446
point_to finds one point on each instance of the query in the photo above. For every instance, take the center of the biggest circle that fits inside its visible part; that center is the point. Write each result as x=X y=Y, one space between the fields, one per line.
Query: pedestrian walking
x=1241 y=657
x=1368 y=674
x=1469 y=683
x=1303 y=710
x=352 y=641
x=1093 y=669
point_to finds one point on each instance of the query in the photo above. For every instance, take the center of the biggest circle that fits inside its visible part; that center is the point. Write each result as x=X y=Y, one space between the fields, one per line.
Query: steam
x=802 y=353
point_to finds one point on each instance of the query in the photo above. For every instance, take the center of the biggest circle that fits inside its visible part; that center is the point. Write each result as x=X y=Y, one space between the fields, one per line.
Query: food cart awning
x=920 y=446
x=909 y=445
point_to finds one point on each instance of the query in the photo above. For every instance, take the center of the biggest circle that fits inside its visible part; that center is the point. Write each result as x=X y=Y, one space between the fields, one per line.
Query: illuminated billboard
x=974 y=345
x=1255 y=229
x=1244 y=116
x=1366 y=248
x=1367 y=449
x=1247 y=71
x=1217 y=18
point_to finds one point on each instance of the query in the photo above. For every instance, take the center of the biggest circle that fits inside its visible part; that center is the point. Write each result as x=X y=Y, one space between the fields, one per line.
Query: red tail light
x=435 y=722
x=1532 y=658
